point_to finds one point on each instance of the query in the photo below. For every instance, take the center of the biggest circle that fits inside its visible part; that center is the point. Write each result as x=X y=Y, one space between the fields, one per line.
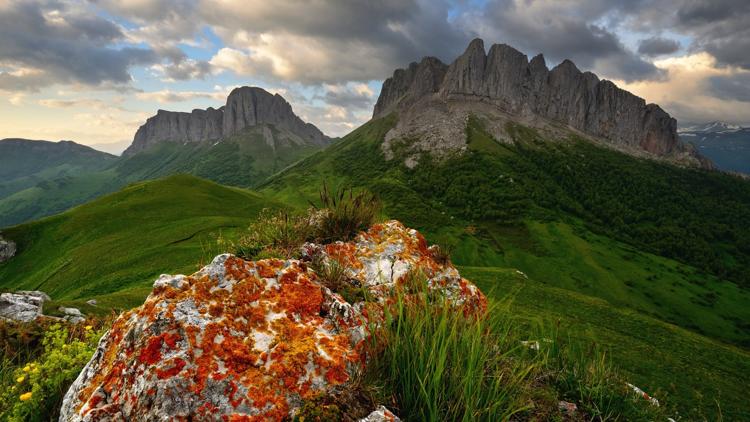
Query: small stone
x=91 y=302
x=7 y=249
x=567 y=408
x=381 y=414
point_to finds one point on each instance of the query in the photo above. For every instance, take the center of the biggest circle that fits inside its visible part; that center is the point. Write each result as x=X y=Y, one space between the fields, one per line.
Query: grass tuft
x=436 y=364
x=346 y=213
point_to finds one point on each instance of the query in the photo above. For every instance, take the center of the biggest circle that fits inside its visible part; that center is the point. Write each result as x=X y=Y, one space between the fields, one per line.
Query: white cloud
x=686 y=94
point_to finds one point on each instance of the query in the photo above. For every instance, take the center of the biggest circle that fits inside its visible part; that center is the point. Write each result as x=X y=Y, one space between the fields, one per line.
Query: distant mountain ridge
x=727 y=145
x=245 y=107
x=712 y=127
x=506 y=79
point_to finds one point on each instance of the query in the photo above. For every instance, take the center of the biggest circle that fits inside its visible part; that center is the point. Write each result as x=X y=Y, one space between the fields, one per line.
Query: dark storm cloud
x=46 y=43
x=657 y=46
x=563 y=31
x=349 y=98
x=719 y=27
x=734 y=87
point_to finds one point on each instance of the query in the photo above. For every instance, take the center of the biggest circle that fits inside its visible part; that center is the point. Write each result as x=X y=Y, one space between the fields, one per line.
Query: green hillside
x=113 y=248
x=700 y=377
x=24 y=163
x=657 y=238
x=244 y=159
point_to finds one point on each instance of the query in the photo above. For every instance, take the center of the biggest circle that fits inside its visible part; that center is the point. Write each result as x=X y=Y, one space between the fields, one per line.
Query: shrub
x=346 y=213
x=32 y=390
x=275 y=234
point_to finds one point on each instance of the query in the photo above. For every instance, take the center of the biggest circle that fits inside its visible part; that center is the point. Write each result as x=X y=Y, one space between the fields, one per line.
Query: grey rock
x=22 y=306
x=507 y=80
x=7 y=249
x=245 y=107
x=91 y=302
x=72 y=315
x=381 y=414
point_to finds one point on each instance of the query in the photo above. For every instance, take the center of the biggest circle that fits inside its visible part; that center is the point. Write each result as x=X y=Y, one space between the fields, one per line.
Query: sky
x=93 y=71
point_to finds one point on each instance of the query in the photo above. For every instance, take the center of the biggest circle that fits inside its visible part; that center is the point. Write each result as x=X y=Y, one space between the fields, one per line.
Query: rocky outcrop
x=245 y=107
x=22 y=306
x=243 y=340
x=7 y=249
x=507 y=80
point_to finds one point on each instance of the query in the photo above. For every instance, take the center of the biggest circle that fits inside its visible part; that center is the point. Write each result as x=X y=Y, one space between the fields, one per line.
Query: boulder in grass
x=242 y=340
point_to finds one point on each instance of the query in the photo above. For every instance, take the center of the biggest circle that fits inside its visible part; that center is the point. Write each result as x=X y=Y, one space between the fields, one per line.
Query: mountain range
x=727 y=145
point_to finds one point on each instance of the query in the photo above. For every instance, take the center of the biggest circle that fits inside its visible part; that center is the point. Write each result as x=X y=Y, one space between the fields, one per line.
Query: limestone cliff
x=505 y=79
x=245 y=107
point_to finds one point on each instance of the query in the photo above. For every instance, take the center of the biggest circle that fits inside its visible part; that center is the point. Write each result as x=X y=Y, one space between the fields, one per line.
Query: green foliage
x=277 y=234
x=32 y=388
x=332 y=274
x=439 y=364
x=346 y=213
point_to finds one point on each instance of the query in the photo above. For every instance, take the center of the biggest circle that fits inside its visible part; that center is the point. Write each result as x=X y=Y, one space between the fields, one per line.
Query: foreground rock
x=22 y=306
x=242 y=340
x=7 y=249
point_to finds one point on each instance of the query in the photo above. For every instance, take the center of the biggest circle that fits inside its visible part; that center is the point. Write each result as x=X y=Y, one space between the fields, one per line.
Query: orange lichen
x=268 y=331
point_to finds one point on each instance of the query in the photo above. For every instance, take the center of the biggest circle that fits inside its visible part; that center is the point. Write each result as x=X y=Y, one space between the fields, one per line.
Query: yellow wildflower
x=20 y=379
x=88 y=328
x=26 y=368
x=25 y=396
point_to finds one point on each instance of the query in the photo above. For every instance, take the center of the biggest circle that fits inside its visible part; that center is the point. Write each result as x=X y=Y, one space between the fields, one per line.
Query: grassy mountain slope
x=113 y=248
x=244 y=159
x=25 y=163
x=680 y=368
x=650 y=236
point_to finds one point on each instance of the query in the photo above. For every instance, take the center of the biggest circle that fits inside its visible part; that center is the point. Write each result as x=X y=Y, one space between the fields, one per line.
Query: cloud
x=61 y=43
x=657 y=46
x=68 y=103
x=329 y=41
x=166 y=96
x=561 y=30
x=734 y=87
x=350 y=96
x=692 y=77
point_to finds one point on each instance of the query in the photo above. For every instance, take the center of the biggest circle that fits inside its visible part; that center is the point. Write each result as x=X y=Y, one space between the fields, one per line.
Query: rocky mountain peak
x=245 y=107
x=505 y=79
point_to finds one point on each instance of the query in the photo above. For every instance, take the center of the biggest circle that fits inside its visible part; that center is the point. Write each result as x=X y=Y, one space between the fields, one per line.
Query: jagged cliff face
x=246 y=107
x=506 y=80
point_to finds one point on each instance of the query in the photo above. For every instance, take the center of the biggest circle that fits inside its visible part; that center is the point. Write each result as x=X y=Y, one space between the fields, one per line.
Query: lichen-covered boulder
x=243 y=340
x=385 y=255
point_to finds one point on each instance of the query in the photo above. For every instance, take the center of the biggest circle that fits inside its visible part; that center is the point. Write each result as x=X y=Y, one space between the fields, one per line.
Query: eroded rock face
x=242 y=340
x=7 y=249
x=22 y=306
x=245 y=107
x=506 y=79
